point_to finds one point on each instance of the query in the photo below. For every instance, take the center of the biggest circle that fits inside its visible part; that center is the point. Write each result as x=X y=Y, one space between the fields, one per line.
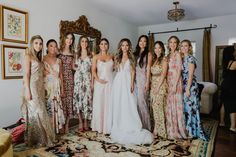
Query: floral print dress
x=175 y=123
x=158 y=100
x=52 y=84
x=68 y=84
x=82 y=99
x=192 y=103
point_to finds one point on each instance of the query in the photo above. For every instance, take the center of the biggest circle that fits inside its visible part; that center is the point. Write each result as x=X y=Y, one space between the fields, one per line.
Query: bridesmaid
x=38 y=131
x=174 y=111
x=102 y=68
x=83 y=84
x=190 y=87
x=144 y=61
x=53 y=86
x=158 y=92
x=67 y=59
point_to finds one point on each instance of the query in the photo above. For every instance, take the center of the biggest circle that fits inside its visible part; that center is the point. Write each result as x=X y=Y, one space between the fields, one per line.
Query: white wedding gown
x=126 y=123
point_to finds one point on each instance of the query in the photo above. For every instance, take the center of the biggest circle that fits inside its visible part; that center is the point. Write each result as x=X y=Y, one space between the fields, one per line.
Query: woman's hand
x=28 y=95
x=187 y=93
x=174 y=89
x=62 y=93
x=132 y=88
x=146 y=87
x=102 y=81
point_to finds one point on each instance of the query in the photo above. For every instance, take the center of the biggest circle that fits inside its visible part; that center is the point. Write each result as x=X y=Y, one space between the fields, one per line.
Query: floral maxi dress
x=82 y=98
x=158 y=100
x=53 y=95
x=192 y=103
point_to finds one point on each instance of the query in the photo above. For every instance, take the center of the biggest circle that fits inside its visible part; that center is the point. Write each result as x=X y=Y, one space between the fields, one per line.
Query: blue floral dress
x=192 y=103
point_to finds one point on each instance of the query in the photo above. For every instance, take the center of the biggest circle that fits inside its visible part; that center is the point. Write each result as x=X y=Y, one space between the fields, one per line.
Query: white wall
x=220 y=36
x=44 y=18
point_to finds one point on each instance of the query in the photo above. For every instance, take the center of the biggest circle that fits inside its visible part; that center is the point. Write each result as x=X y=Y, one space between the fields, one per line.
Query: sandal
x=233 y=130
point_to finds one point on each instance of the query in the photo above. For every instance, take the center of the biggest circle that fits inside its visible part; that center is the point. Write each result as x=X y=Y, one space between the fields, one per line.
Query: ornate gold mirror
x=81 y=27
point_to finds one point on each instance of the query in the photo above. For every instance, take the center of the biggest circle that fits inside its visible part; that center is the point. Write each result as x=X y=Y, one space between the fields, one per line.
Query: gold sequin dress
x=38 y=131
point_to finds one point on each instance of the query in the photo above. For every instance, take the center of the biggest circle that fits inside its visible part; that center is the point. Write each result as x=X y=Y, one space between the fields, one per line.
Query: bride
x=126 y=123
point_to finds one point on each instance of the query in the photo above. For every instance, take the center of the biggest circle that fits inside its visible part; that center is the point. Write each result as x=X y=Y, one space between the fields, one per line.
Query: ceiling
x=148 y=12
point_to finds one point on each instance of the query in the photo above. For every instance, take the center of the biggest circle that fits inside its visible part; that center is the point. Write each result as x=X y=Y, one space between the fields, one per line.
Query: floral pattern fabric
x=53 y=95
x=175 y=123
x=82 y=98
x=68 y=85
x=158 y=100
x=192 y=103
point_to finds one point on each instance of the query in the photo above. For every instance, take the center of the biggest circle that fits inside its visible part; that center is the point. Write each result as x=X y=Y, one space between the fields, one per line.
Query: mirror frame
x=80 y=27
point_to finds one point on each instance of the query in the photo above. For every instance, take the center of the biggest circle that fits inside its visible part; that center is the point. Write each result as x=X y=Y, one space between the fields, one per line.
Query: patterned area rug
x=92 y=144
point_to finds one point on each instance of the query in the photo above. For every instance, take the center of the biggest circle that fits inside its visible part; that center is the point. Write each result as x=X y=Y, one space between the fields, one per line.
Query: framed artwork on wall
x=14 y=25
x=12 y=61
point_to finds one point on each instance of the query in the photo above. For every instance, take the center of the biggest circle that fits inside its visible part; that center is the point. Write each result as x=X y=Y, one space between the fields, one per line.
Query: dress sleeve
x=193 y=60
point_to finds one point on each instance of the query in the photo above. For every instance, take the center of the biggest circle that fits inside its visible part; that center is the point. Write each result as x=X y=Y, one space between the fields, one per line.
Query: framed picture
x=14 y=25
x=12 y=61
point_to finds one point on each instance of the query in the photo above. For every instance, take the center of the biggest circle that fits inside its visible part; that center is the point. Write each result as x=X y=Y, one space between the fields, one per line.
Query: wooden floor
x=225 y=145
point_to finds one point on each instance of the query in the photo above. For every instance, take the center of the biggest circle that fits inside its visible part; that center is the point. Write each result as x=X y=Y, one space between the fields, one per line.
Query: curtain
x=151 y=42
x=206 y=48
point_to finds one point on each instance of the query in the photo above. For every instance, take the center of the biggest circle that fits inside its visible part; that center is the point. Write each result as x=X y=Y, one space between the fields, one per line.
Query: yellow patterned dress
x=158 y=101
x=39 y=131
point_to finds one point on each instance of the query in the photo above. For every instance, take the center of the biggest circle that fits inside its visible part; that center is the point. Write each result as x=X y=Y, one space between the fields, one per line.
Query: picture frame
x=12 y=61
x=14 y=25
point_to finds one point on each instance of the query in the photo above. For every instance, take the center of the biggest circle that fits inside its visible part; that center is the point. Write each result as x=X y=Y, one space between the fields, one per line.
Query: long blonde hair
x=189 y=44
x=31 y=52
x=119 y=55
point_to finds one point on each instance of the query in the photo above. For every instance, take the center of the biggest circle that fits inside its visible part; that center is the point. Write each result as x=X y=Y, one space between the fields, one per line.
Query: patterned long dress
x=158 y=100
x=175 y=123
x=53 y=95
x=143 y=106
x=192 y=103
x=39 y=131
x=82 y=90
x=68 y=84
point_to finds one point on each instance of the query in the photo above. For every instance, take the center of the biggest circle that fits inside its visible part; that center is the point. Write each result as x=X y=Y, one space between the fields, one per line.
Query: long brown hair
x=79 y=48
x=63 y=43
x=31 y=52
x=177 y=41
x=119 y=55
x=160 y=43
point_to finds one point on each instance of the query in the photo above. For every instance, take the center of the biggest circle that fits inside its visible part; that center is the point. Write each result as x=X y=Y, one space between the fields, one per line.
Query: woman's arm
x=132 y=73
x=46 y=69
x=148 y=71
x=61 y=78
x=191 y=69
x=92 y=78
x=163 y=74
x=179 y=70
x=27 y=64
x=74 y=65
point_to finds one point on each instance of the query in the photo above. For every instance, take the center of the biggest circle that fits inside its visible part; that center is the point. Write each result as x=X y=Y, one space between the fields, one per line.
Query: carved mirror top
x=81 y=27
